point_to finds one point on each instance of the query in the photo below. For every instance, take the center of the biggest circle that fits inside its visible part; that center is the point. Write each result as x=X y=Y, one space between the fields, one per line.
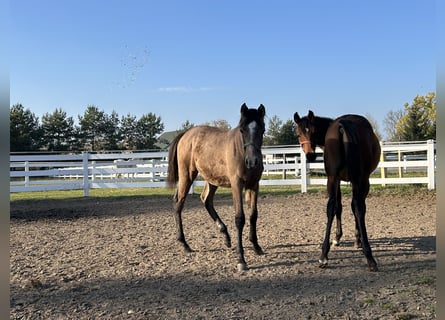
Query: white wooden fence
x=403 y=163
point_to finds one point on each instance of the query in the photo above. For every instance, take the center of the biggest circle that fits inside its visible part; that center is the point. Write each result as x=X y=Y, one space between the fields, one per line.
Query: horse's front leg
x=252 y=197
x=239 y=222
x=332 y=187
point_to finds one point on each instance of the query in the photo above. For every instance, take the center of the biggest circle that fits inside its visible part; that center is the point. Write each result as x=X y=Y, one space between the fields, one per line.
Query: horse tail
x=172 y=171
x=351 y=149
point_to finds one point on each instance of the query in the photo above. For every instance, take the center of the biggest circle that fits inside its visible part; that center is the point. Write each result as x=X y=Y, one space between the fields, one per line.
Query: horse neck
x=322 y=125
x=237 y=137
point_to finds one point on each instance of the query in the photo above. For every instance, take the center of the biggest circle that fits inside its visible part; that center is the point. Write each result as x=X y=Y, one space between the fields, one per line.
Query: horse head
x=306 y=132
x=252 y=128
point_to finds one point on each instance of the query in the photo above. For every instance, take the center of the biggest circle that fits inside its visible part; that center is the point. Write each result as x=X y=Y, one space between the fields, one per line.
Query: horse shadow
x=346 y=254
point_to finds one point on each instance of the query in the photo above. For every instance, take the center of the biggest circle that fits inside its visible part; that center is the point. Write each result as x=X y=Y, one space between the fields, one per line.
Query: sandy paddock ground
x=96 y=258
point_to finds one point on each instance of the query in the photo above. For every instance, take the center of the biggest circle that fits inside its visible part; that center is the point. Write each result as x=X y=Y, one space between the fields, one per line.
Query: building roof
x=166 y=139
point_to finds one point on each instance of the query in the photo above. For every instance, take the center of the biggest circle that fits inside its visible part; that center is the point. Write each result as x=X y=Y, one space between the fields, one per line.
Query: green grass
x=404 y=316
x=264 y=190
x=426 y=280
x=100 y=193
x=138 y=192
x=387 y=306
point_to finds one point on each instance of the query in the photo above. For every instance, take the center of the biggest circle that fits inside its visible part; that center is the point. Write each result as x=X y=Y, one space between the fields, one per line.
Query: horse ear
x=296 y=117
x=244 y=108
x=262 y=110
x=310 y=115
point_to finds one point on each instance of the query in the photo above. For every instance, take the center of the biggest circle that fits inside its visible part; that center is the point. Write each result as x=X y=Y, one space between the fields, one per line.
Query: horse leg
x=179 y=200
x=338 y=212
x=358 y=198
x=239 y=222
x=333 y=187
x=207 y=196
x=252 y=197
x=358 y=241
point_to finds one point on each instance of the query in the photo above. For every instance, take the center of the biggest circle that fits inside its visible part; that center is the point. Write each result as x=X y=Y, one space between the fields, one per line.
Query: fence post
x=152 y=165
x=382 y=169
x=303 y=171
x=399 y=158
x=26 y=172
x=431 y=164
x=93 y=171
x=405 y=159
x=86 y=183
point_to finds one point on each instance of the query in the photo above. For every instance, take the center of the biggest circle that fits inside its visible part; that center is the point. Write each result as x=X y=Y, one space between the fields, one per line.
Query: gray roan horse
x=228 y=158
x=351 y=152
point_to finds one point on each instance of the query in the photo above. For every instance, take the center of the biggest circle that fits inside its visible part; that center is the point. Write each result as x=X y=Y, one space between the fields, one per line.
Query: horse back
x=210 y=151
x=351 y=147
x=203 y=142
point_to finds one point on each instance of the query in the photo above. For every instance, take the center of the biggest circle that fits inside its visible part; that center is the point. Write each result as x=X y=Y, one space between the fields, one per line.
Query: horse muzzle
x=252 y=162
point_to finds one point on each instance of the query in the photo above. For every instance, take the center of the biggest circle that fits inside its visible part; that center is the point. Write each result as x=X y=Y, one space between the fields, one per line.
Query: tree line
x=96 y=130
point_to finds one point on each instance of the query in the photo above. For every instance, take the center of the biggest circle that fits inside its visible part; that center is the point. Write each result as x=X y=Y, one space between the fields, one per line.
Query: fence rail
x=404 y=163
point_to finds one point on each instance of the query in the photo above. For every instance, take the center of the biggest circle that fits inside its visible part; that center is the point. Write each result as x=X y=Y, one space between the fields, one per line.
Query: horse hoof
x=373 y=269
x=323 y=263
x=242 y=267
x=188 y=249
x=258 y=251
x=335 y=243
x=228 y=244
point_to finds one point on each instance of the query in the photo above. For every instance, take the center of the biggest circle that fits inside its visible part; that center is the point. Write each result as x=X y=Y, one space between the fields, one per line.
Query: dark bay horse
x=228 y=158
x=351 y=152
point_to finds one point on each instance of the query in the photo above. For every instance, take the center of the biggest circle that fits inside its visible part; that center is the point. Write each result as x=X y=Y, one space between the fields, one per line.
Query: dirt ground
x=95 y=258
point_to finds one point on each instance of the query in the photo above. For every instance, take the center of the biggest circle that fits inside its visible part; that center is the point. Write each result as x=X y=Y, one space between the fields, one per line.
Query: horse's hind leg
x=358 y=240
x=179 y=200
x=330 y=212
x=358 y=201
x=207 y=196
x=251 y=199
x=338 y=212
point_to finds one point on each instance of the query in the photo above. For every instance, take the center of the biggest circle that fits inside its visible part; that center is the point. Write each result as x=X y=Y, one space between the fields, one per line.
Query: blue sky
x=200 y=60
